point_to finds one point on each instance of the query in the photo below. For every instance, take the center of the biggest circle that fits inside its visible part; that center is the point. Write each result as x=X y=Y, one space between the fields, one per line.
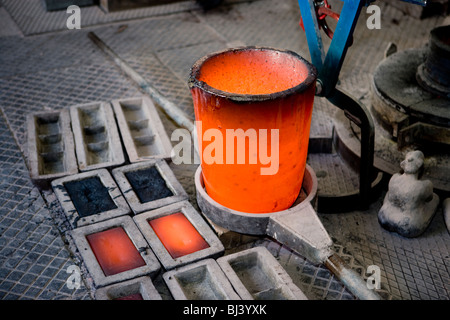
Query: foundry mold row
x=142 y=131
x=85 y=137
x=149 y=185
x=89 y=197
x=50 y=146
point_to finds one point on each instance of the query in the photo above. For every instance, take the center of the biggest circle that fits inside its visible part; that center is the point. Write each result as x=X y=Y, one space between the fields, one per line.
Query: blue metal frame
x=329 y=66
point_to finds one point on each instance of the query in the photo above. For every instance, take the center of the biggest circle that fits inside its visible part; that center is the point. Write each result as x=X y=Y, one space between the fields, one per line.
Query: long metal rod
x=352 y=280
x=170 y=108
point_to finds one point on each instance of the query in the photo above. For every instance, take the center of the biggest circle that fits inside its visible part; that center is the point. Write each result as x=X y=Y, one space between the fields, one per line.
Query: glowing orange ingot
x=178 y=235
x=257 y=89
x=114 y=251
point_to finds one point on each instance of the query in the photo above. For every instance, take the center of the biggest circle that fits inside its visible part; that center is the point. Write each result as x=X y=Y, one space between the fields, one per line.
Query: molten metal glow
x=178 y=235
x=253 y=72
x=242 y=186
x=114 y=250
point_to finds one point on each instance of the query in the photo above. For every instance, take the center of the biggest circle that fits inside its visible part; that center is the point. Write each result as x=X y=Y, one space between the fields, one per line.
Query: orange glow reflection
x=114 y=250
x=178 y=235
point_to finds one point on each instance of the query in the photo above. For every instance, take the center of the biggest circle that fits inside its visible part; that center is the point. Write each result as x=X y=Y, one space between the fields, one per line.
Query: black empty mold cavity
x=89 y=196
x=51 y=151
x=141 y=129
x=97 y=139
x=148 y=184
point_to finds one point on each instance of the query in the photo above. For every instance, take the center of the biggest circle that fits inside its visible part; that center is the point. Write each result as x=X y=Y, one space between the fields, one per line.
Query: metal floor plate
x=33 y=257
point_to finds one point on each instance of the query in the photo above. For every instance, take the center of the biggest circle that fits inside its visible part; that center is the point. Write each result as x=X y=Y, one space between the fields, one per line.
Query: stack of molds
x=149 y=185
x=141 y=128
x=50 y=146
x=97 y=141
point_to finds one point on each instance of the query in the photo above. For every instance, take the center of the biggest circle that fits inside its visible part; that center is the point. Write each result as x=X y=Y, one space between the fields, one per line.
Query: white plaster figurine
x=410 y=204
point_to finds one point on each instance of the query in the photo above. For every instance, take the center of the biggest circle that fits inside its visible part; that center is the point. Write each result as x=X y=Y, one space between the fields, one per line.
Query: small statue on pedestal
x=410 y=204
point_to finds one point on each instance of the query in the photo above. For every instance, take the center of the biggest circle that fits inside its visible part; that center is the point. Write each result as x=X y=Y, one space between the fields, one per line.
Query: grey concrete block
x=97 y=140
x=214 y=246
x=203 y=280
x=140 y=288
x=90 y=197
x=151 y=266
x=256 y=275
x=50 y=151
x=141 y=128
x=149 y=185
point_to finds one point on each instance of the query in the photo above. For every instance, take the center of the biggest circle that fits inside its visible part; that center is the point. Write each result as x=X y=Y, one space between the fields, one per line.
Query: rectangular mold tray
x=90 y=197
x=149 y=185
x=149 y=267
x=51 y=152
x=256 y=275
x=198 y=229
x=141 y=128
x=140 y=288
x=203 y=280
x=97 y=140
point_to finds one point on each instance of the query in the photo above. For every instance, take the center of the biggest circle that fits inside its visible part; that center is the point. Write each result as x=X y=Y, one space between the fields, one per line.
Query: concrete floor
x=46 y=67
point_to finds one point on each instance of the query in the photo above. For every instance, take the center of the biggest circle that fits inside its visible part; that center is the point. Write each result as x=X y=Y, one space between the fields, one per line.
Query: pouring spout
x=302 y=231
